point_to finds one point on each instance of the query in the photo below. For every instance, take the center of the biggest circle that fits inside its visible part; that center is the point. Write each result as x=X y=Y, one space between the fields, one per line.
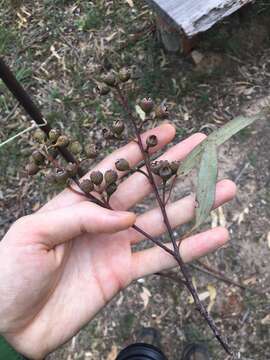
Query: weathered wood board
x=195 y=16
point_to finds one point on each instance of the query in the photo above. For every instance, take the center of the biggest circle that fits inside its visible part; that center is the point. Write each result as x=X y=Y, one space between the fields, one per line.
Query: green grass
x=24 y=74
x=7 y=38
x=11 y=158
x=93 y=19
x=126 y=325
x=244 y=134
x=55 y=93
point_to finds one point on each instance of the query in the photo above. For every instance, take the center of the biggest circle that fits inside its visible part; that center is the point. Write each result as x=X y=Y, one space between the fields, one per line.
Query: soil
x=56 y=48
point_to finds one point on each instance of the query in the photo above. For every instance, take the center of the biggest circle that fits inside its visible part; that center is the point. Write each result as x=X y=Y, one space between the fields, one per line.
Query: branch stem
x=176 y=254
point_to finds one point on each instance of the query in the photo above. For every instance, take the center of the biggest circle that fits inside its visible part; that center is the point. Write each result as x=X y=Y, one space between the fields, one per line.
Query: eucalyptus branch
x=176 y=253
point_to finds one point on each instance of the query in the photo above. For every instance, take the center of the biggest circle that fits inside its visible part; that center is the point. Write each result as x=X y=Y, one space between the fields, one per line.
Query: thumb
x=58 y=226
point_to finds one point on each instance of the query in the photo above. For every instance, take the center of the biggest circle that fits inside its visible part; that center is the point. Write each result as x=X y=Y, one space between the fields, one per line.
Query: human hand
x=61 y=265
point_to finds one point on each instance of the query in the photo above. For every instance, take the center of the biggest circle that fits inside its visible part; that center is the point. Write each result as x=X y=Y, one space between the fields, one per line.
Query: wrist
x=24 y=349
x=8 y=352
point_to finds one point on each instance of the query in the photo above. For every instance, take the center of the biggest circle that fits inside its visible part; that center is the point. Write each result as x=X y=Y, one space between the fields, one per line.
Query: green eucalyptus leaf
x=206 y=187
x=231 y=128
x=192 y=160
x=218 y=137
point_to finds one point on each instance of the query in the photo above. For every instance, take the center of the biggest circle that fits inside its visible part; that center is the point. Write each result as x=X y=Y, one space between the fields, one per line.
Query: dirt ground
x=56 y=48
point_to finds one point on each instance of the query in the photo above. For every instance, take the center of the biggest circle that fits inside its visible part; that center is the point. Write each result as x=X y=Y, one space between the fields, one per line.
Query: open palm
x=61 y=265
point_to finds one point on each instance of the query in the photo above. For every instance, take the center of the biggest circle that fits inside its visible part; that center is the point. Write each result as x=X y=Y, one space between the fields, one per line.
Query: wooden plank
x=195 y=16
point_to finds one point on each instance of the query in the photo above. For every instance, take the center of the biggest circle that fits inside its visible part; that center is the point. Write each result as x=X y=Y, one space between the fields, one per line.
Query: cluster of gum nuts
x=55 y=140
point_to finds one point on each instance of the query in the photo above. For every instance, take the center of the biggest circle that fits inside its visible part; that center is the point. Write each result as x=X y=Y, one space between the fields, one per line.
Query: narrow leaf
x=191 y=160
x=206 y=187
x=218 y=137
x=231 y=128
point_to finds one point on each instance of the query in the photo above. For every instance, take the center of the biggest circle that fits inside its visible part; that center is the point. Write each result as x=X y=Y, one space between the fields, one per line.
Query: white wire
x=30 y=128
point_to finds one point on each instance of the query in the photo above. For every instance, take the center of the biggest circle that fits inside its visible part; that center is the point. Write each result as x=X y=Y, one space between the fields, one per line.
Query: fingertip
x=169 y=127
x=124 y=219
x=220 y=236
x=198 y=136
x=127 y=215
x=203 y=243
x=231 y=188
x=225 y=191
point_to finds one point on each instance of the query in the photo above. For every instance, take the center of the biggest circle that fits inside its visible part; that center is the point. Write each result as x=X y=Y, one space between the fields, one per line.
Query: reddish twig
x=171 y=188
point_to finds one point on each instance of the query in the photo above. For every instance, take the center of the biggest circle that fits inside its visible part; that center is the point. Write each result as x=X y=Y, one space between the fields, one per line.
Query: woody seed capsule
x=61 y=176
x=62 y=141
x=110 y=177
x=110 y=79
x=96 y=177
x=32 y=168
x=76 y=147
x=147 y=105
x=38 y=157
x=87 y=186
x=118 y=127
x=110 y=189
x=39 y=136
x=54 y=135
x=122 y=165
x=161 y=112
x=165 y=172
x=91 y=151
x=124 y=75
x=152 y=141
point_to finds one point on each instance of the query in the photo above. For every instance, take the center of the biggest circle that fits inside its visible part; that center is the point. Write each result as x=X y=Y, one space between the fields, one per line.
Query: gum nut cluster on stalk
x=115 y=132
x=48 y=152
x=61 y=176
x=112 y=79
x=165 y=169
x=148 y=106
x=38 y=158
x=110 y=178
